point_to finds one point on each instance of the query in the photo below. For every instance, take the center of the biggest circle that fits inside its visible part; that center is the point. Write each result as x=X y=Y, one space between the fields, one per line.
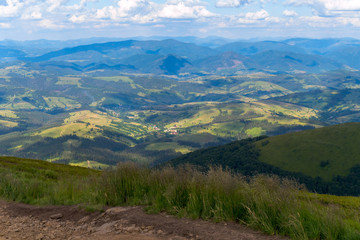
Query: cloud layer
x=177 y=17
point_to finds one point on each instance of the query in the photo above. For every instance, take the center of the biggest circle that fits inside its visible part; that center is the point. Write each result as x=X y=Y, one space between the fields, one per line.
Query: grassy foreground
x=269 y=204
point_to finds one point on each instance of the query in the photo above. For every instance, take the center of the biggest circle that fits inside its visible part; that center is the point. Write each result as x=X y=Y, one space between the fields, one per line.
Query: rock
x=83 y=220
x=39 y=236
x=56 y=216
x=105 y=228
x=116 y=210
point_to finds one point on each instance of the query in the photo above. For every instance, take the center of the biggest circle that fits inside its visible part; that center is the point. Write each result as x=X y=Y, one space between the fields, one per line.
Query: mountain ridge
x=326 y=159
x=307 y=55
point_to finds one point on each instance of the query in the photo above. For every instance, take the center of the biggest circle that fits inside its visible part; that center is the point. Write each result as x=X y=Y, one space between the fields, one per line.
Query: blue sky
x=238 y=19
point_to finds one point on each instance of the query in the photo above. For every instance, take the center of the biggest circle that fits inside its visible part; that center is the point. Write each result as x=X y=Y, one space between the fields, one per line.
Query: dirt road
x=20 y=221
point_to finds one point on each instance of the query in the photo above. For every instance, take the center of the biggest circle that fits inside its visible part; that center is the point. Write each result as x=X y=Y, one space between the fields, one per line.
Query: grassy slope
x=39 y=168
x=40 y=182
x=268 y=204
x=326 y=160
x=324 y=152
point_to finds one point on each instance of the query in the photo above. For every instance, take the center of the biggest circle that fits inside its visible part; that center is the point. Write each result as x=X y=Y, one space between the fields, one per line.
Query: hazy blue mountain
x=42 y=46
x=125 y=49
x=154 y=56
x=226 y=62
x=250 y=48
x=8 y=54
x=319 y=46
x=290 y=61
x=346 y=54
x=98 y=47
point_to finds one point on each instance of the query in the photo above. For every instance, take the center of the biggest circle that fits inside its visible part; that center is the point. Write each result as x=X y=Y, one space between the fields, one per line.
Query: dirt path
x=20 y=221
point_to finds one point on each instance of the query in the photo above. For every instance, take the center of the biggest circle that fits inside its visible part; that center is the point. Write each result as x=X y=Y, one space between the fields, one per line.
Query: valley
x=55 y=117
x=136 y=110
x=257 y=133
x=149 y=102
x=180 y=119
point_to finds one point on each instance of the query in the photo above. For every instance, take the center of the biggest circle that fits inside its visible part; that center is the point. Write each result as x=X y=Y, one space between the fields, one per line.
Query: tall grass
x=266 y=203
x=269 y=204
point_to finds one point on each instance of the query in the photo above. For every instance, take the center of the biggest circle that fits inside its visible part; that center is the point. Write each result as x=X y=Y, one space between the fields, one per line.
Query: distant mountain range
x=149 y=101
x=193 y=57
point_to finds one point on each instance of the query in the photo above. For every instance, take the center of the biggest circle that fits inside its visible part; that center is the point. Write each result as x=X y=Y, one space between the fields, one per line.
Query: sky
x=236 y=19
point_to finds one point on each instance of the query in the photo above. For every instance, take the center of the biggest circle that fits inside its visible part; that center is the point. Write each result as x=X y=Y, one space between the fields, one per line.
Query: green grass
x=8 y=124
x=197 y=138
x=8 y=114
x=40 y=182
x=116 y=79
x=307 y=151
x=124 y=79
x=69 y=81
x=269 y=204
x=254 y=87
x=255 y=132
x=61 y=102
x=91 y=164
x=169 y=146
x=233 y=120
x=89 y=124
x=228 y=129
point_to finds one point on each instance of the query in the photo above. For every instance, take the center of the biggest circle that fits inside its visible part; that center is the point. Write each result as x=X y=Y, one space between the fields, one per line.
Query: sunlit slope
x=326 y=160
x=325 y=152
x=38 y=169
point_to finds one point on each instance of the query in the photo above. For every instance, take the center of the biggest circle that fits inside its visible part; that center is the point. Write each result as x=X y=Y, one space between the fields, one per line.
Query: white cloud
x=5 y=25
x=54 y=4
x=81 y=5
x=181 y=11
x=328 y=7
x=32 y=12
x=290 y=13
x=187 y=16
x=341 y=5
x=144 y=11
x=350 y=21
x=231 y=3
x=49 y=24
x=77 y=19
x=259 y=15
x=324 y=22
x=11 y=9
x=256 y=17
x=274 y=19
x=187 y=2
x=125 y=8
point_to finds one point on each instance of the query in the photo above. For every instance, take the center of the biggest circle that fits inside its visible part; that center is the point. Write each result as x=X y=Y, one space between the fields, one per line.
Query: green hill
x=325 y=152
x=40 y=182
x=326 y=160
x=263 y=203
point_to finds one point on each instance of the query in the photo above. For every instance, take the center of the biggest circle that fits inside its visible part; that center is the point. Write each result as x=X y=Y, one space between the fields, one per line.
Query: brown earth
x=20 y=221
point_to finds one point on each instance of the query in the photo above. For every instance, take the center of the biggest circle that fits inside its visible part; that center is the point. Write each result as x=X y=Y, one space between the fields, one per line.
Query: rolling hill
x=325 y=159
x=150 y=101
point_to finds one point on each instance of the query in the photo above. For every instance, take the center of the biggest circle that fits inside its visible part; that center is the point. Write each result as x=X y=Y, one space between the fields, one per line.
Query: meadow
x=267 y=203
x=324 y=152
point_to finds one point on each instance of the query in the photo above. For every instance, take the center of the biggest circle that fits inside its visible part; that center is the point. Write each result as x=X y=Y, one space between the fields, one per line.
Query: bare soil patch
x=20 y=221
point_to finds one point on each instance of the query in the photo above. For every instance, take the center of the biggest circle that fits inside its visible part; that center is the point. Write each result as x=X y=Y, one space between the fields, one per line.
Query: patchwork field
x=147 y=118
